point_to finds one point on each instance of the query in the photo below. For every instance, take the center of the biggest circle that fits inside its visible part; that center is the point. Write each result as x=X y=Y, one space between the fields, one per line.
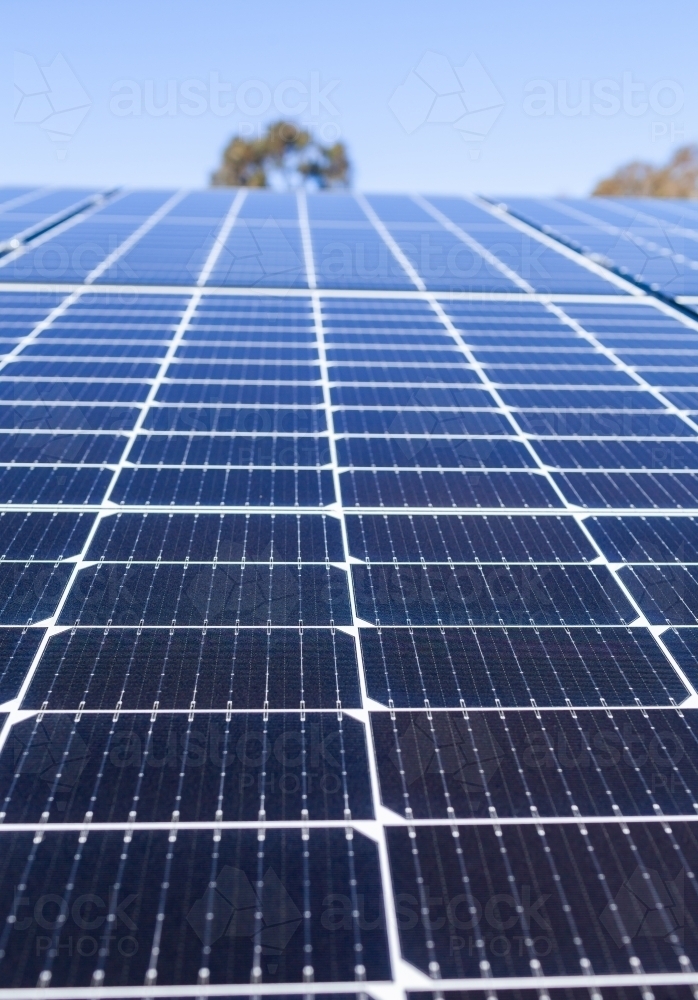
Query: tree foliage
x=678 y=179
x=286 y=156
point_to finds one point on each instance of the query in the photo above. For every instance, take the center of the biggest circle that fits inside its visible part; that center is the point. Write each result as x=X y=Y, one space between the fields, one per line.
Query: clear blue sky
x=369 y=47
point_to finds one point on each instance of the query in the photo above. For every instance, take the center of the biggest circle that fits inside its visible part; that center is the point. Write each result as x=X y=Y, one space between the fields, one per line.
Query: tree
x=678 y=179
x=286 y=156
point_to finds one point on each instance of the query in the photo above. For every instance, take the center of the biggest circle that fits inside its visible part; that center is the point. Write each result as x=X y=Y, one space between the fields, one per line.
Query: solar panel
x=348 y=602
x=653 y=241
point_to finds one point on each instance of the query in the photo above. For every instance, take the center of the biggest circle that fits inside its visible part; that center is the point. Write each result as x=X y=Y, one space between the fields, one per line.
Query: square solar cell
x=74 y=391
x=527 y=763
x=43 y=536
x=66 y=417
x=466 y=453
x=232 y=487
x=134 y=764
x=682 y=643
x=216 y=594
x=630 y=489
x=220 y=537
x=228 y=419
x=667 y=595
x=646 y=539
x=578 y=894
x=260 y=450
x=150 y=669
x=509 y=490
x=252 y=394
x=544 y=594
x=21 y=484
x=47 y=449
x=635 y=455
x=585 y=423
x=427 y=422
x=483 y=667
x=467 y=538
x=201 y=875
x=18 y=647
x=30 y=592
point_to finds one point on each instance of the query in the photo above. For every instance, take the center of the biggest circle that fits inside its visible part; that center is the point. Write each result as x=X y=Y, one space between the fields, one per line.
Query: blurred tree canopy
x=286 y=156
x=678 y=179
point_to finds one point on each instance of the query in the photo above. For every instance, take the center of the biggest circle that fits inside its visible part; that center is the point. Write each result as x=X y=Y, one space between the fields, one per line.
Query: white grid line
x=393 y=940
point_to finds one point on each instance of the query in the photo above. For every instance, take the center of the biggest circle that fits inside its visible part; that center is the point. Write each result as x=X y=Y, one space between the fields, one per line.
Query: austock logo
x=646 y=905
x=438 y=93
x=260 y=253
x=234 y=908
x=448 y=747
x=56 y=756
x=522 y=916
x=82 y=926
x=50 y=97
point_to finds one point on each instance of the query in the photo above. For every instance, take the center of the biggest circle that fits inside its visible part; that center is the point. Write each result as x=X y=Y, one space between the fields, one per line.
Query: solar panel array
x=348 y=606
x=653 y=241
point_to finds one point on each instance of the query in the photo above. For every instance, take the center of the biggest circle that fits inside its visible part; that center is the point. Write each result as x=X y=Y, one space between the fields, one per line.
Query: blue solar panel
x=652 y=241
x=348 y=601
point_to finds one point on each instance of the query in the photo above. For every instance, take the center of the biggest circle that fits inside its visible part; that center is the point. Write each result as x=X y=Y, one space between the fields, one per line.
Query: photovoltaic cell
x=142 y=668
x=528 y=763
x=96 y=764
x=467 y=538
x=515 y=666
x=565 y=887
x=200 y=874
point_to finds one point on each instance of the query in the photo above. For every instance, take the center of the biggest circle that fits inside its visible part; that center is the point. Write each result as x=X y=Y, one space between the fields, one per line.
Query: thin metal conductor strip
x=51 y=629
x=365 y=826
x=61 y=227
x=337 y=293
x=438 y=308
x=560 y=248
x=191 y=508
x=380 y=989
x=396 y=962
x=222 y=236
x=375 y=706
